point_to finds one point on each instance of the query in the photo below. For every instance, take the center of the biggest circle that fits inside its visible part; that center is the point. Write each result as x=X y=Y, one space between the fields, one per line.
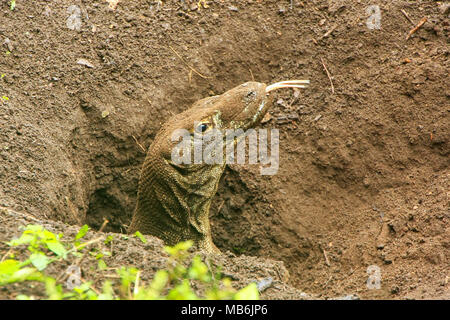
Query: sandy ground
x=364 y=152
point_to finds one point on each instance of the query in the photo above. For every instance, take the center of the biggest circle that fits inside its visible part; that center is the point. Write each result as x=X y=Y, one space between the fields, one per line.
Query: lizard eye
x=202 y=127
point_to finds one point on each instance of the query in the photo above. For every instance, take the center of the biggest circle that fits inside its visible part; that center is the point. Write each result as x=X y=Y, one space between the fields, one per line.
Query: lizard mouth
x=287 y=84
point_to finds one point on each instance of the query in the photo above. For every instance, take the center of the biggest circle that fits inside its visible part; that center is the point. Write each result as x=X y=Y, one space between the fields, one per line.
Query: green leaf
x=97 y=255
x=57 y=247
x=179 y=248
x=54 y=292
x=10 y=271
x=108 y=292
x=109 y=239
x=12 y=5
x=199 y=270
x=46 y=235
x=7 y=268
x=24 y=239
x=27 y=274
x=250 y=292
x=159 y=280
x=39 y=260
x=140 y=236
x=127 y=275
x=182 y=292
x=102 y=265
x=83 y=230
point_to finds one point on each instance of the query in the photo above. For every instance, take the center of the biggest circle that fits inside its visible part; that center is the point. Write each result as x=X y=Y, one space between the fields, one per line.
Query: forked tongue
x=287 y=84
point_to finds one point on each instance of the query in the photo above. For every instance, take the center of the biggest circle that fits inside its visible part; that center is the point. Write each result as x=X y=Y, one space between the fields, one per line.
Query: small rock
x=46 y=11
x=74 y=20
x=264 y=284
x=366 y=182
x=105 y=113
x=280 y=102
x=85 y=62
x=233 y=8
x=293 y=116
x=8 y=44
x=444 y=8
x=317 y=118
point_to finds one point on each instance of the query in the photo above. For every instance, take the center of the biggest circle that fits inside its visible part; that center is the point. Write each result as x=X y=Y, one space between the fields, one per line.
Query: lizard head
x=242 y=107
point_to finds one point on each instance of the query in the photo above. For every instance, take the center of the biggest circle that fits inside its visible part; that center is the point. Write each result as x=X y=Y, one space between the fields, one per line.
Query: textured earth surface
x=364 y=152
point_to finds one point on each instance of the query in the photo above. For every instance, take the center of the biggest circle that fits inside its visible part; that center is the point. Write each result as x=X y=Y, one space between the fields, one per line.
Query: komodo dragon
x=173 y=200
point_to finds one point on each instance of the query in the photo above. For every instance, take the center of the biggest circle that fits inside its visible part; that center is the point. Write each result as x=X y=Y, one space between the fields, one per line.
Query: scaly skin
x=173 y=200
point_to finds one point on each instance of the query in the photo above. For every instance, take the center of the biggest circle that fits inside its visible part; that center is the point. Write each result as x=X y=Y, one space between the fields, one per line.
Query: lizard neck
x=173 y=201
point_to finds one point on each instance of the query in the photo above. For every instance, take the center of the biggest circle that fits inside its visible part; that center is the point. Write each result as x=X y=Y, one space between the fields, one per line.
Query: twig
x=329 y=279
x=85 y=244
x=137 y=142
x=181 y=58
x=327 y=262
x=136 y=283
x=407 y=17
x=90 y=286
x=329 y=31
x=64 y=274
x=105 y=222
x=328 y=74
x=414 y=30
x=114 y=276
x=6 y=254
x=220 y=206
x=251 y=73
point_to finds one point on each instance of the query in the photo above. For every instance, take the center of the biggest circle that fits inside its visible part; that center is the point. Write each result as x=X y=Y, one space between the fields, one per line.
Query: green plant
x=140 y=236
x=44 y=247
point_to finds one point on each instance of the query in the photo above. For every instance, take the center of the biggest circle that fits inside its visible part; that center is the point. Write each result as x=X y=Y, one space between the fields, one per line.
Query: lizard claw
x=287 y=84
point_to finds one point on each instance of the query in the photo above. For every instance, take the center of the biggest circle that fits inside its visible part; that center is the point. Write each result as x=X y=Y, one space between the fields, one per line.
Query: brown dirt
x=364 y=172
